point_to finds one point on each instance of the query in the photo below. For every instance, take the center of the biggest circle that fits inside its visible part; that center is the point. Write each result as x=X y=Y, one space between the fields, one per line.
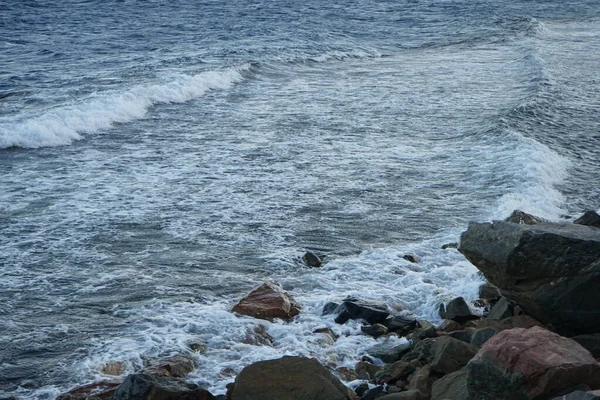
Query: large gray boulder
x=289 y=378
x=551 y=270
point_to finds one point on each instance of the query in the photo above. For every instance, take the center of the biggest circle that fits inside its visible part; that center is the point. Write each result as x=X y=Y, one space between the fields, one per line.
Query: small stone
x=366 y=370
x=389 y=352
x=449 y=325
x=328 y=332
x=173 y=367
x=115 y=368
x=504 y=308
x=393 y=372
x=457 y=310
x=488 y=291
x=346 y=374
x=401 y=325
x=258 y=336
x=450 y=246
x=197 y=347
x=412 y=257
x=374 y=330
x=520 y=217
x=312 y=260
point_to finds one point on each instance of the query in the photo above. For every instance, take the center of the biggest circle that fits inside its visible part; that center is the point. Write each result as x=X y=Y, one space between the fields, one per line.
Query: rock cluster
x=539 y=337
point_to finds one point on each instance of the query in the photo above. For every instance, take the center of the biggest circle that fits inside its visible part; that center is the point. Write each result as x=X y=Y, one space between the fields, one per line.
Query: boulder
x=422 y=353
x=487 y=291
x=290 y=378
x=366 y=370
x=589 y=218
x=147 y=387
x=483 y=335
x=457 y=310
x=393 y=372
x=504 y=308
x=520 y=217
x=311 y=259
x=389 y=351
x=590 y=342
x=374 y=393
x=451 y=387
x=426 y=330
x=401 y=325
x=95 y=391
x=268 y=301
x=519 y=321
x=551 y=270
x=353 y=308
x=422 y=380
x=449 y=325
x=450 y=355
x=461 y=335
x=529 y=364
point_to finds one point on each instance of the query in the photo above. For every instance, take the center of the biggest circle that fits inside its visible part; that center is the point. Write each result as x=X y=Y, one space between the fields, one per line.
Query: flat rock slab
x=268 y=301
x=289 y=378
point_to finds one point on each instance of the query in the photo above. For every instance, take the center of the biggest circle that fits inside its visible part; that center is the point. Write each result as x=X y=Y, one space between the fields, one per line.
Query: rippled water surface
x=159 y=159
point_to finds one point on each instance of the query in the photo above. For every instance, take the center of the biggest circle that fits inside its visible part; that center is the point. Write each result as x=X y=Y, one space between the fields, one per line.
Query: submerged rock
x=412 y=257
x=311 y=259
x=268 y=301
x=174 y=367
x=551 y=270
x=95 y=391
x=290 y=378
x=389 y=351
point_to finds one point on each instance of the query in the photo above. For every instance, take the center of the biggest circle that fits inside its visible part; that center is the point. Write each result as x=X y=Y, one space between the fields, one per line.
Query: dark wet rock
x=422 y=380
x=421 y=354
x=412 y=257
x=451 y=387
x=551 y=270
x=268 y=301
x=450 y=355
x=393 y=372
x=293 y=378
x=311 y=259
x=519 y=321
x=258 y=336
x=389 y=351
x=374 y=330
x=366 y=370
x=487 y=291
x=148 y=387
x=461 y=335
x=457 y=310
x=589 y=218
x=375 y=393
x=520 y=217
x=426 y=330
x=450 y=246
x=353 y=308
x=173 y=367
x=449 y=325
x=346 y=374
x=361 y=389
x=401 y=325
x=529 y=364
x=95 y=391
x=482 y=335
x=504 y=308
x=590 y=342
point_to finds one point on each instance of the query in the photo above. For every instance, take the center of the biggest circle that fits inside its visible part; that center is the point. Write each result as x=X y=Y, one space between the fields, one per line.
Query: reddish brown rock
x=529 y=363
x=268 y=301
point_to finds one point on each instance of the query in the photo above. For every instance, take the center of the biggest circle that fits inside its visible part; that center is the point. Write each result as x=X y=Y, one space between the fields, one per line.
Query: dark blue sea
x=159 y=159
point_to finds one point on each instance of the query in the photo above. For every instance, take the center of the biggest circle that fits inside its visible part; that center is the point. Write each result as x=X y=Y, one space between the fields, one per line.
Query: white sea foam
x=63 y=125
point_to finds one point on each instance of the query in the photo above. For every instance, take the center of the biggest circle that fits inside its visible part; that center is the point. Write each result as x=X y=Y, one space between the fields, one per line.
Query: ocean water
x=160 y=159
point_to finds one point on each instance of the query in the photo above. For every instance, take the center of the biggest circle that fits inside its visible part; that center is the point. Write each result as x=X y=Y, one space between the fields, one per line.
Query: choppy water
x=159 y=159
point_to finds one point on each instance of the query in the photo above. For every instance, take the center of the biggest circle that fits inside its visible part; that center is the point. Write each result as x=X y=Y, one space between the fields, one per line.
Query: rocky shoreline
x=538 y=337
